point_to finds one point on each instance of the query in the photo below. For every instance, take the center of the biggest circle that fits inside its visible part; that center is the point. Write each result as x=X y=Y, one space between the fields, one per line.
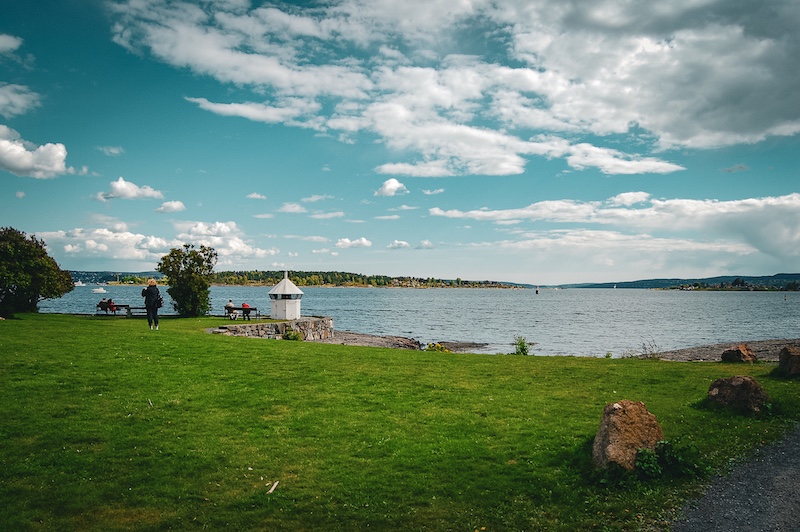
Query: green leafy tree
x=189 y=272
x=27 y=273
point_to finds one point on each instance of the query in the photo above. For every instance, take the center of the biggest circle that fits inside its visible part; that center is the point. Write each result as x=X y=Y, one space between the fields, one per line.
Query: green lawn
x=107 y=425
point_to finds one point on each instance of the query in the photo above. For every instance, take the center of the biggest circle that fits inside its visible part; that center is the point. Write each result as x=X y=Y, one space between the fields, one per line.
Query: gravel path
x=763 y=494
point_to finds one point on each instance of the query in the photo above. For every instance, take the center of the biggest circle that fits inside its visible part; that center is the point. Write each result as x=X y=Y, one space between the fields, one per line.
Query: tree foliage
x=27 y=273
x=189 y=272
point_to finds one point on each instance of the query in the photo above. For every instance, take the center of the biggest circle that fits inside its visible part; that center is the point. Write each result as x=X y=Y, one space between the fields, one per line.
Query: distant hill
x=777 y=281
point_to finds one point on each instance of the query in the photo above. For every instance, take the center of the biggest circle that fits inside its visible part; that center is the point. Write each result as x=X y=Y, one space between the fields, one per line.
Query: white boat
x=79 y=283
x=100 y=290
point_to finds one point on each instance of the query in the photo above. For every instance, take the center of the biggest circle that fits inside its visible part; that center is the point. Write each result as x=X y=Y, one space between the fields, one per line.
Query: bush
x=437 y=347
x=521 y=345
x=291 y=334
x=675 y=458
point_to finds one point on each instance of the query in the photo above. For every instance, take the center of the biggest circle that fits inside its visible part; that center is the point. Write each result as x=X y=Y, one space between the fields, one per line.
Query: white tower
x=285 y=298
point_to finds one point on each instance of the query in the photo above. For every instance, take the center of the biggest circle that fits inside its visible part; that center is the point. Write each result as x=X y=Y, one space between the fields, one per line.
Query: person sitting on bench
x=103 y=305
x=245 y=311
x=230 y=310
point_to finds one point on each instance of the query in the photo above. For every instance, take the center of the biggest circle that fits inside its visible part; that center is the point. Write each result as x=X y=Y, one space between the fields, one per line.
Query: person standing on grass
x=152 y=300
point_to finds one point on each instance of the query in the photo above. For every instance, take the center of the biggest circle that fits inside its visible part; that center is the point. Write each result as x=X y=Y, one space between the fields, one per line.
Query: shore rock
x=740 y=353
x=626 y=427
x=740 y=392
x=789 y=363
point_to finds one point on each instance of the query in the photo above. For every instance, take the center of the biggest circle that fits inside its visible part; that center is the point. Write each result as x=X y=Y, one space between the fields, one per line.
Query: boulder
x=625 y=428
x=740 y=392
x=789 y=362
x=741 y=353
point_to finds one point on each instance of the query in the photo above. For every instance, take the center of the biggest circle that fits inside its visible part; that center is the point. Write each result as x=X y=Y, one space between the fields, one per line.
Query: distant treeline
x=257 y=277
x=781 y=281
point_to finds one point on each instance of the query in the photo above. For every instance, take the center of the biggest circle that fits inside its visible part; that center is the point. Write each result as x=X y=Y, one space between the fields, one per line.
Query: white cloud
x=629 y=198
x=9 y=44
x=316 y=197
x=171 y=206
x=20 y=194
x=294 y=208
x=433 y=192
x=225 y=237
x=346 y=243
x=111 y=151
x=391 y=187
x=264 y=216
x=121 y=189
x=388 y=217
x=26 y=159
x=256 y=195
x=327 y=215
x=312 y=238
x=425 y=244
x=16 y=100
x=399 y=244
x=723 y=78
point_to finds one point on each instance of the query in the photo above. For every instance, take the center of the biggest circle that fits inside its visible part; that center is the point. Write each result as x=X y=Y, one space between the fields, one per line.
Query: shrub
x=291 y=334
x=675 y=458
x=437 y=347
x=520 y=345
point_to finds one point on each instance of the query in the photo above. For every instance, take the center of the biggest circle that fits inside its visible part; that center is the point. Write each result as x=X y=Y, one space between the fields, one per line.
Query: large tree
x=27 y=273
x=189 y=273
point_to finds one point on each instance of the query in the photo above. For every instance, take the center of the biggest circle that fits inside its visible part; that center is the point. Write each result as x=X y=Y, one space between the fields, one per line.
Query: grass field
x=107 y=425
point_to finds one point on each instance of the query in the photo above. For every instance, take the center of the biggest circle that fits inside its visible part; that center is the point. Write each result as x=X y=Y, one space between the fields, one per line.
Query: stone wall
x=311 y=327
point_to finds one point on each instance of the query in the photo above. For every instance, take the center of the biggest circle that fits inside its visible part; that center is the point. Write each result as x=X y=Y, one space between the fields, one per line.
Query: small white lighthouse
x=285 y=298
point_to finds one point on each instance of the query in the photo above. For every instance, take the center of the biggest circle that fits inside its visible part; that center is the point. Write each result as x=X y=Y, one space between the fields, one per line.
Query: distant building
x=285 y=298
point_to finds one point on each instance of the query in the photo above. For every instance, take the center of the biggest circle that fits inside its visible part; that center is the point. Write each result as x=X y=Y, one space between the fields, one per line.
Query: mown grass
x=109 y=426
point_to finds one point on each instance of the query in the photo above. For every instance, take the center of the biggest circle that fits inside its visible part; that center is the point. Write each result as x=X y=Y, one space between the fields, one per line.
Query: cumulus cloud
x=425 y=244
x=564 y=70
x=26 y=159
x=225 y=237
x=399 y=244
x=391 y=187
x=121 y=189
x=346 y=243
x=256 y=195
x=171 y=206
x=294 y=208
x=17 y=100
x=9 y=43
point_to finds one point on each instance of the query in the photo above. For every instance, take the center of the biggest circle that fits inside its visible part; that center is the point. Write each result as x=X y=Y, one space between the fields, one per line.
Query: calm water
x=584 y=322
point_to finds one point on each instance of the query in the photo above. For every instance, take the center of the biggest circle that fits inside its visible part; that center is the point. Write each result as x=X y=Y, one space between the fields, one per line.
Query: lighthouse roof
x=286 y=286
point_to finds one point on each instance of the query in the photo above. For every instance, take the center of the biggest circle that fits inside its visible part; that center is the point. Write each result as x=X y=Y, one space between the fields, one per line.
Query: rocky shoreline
x=765 y=350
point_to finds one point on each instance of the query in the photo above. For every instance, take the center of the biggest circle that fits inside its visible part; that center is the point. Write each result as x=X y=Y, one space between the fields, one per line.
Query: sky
x=540 y=142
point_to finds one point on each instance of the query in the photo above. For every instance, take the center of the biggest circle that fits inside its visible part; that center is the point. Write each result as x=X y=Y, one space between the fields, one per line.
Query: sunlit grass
x=108 y=425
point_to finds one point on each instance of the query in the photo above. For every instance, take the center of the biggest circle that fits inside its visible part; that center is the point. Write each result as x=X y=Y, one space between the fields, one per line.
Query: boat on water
x=79 y=283
x=99 y=290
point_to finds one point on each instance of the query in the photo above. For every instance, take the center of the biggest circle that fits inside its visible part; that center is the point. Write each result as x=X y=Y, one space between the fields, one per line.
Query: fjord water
x=581 y=322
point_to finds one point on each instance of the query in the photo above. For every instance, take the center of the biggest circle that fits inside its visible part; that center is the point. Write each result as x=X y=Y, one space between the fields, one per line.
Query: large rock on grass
x=740 y=353
x=740 y=392
x=626 y=427
x=789 y=362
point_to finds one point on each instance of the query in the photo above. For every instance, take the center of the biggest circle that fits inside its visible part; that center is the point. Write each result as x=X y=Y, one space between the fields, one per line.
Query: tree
x=189 y=272
x=27 y=273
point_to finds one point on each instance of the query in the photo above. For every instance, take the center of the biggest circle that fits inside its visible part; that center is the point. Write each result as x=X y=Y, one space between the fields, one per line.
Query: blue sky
x=538 y=142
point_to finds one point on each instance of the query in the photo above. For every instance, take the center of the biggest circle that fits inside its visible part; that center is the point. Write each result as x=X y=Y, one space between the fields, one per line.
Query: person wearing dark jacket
x=152 y=300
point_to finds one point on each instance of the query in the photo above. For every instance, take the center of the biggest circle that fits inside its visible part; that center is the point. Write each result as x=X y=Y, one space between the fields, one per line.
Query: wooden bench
x=241 y=312
x=103 y=307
